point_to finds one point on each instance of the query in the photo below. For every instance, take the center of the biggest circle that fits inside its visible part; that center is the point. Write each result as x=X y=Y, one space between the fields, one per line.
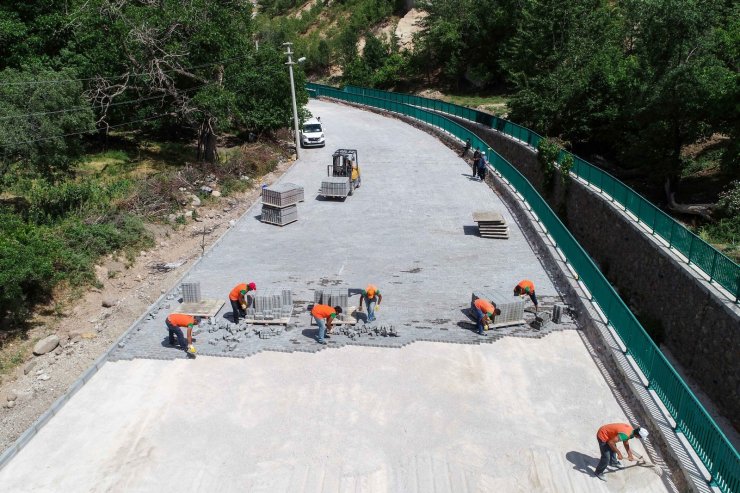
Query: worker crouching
x=175 y=323
x=608 y=436
x=324 y=316
x=526 y=287
x=372 y=298
x=485 y=311
x=239 y=299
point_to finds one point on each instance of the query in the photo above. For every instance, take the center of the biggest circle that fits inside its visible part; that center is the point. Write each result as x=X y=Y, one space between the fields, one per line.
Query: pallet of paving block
x=268 y=321
x=202 y=308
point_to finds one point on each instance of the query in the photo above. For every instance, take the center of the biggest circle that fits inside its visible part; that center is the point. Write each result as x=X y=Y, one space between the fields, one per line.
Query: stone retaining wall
x=678 y=308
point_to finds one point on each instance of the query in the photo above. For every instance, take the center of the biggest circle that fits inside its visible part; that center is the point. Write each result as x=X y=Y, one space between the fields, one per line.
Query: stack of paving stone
x=512 y=307
x=279 y=203
x=491 y=224
x=191 y=292
x=334 y=297
x=271 y=304
x=335 y=186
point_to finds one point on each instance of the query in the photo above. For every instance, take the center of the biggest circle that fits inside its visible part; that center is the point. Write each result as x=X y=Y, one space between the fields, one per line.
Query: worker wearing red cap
x=485 y=311
x=175 y=323
x=324 y=315
x=608 y=436
x=238 y=299
x=372 y=298
x=526 y=287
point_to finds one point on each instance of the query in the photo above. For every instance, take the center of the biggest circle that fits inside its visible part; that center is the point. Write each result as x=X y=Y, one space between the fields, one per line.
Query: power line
x=9 y=144
x=80 y=108
x=114 y=77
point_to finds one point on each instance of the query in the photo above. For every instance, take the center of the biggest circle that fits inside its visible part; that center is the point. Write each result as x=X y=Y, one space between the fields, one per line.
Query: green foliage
x=547 y=155
x=32 y=132
x=466 y=38
x=566 y=164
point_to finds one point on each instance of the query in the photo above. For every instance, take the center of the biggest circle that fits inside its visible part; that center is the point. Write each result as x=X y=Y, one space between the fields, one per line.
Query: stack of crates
x=270 y=304
x=333 y=297
x=335 y=186
x=279 y=203
x=512 y=307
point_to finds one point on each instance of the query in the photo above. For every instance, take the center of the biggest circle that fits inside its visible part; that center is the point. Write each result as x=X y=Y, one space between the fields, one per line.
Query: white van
x=312 y=133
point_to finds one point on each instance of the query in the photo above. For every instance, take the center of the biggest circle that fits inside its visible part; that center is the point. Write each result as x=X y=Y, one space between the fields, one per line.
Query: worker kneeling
x=324 y=315
x=485 y=311
x=238 y=299
x=175 y=323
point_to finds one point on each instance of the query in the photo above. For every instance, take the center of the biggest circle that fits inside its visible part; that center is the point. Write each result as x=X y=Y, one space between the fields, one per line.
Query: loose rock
x=109 y=302
x=11 y=396
x=215 y=193
x=29 y=366
x=43 y=377
x=45 y=345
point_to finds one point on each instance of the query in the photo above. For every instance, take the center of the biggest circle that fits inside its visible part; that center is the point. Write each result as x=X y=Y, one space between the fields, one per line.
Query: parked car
x=312 y=134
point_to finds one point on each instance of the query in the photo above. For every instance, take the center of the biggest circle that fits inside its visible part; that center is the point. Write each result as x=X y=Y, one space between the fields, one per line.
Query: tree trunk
x=703 y=210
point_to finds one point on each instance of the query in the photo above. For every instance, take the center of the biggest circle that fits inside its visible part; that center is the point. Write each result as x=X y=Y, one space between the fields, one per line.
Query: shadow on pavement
x=582 y=462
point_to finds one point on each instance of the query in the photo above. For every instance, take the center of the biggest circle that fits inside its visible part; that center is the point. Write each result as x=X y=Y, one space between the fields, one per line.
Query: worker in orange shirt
x=526 y=287
x=608 y=436
x=485 y=311
x=238 y=299
x=324 y=315
x=372 y=298
x=175 y=323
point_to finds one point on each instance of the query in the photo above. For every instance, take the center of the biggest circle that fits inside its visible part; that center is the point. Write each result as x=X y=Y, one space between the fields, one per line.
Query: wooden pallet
x=273 y=321
x=203 y=308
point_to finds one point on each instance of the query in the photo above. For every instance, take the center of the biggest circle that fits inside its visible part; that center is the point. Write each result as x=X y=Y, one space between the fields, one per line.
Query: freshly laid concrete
x=517 y=416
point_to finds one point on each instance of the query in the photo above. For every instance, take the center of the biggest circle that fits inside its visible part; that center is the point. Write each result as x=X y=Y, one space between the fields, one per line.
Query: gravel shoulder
x=87 y=328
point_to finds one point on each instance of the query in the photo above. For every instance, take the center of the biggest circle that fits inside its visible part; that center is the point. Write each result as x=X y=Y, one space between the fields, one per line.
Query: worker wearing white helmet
x=608 y=436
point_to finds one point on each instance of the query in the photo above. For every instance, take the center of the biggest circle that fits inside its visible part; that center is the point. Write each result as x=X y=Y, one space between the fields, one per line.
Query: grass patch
x=11 y=357
x=495 y=104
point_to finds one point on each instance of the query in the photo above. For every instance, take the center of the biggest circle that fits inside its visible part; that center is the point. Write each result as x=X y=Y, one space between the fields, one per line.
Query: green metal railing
x=692 y=420
x=717 y=266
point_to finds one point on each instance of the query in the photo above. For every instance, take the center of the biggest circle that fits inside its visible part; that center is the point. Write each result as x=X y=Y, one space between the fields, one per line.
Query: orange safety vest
x=180 y=319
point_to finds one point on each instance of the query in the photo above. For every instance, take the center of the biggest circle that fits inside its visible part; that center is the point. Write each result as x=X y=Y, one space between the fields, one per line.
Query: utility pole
x=290 y=64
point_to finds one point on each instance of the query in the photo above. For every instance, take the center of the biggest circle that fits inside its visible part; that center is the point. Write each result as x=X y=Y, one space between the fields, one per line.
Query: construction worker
x=238 y=299
x=324 y=316
x=175 y=323
x=484 y=312
x=466 y=148
x=608 y=436
x=372 y=298
x=526 y=287
x=481 y=166
x=355 y=175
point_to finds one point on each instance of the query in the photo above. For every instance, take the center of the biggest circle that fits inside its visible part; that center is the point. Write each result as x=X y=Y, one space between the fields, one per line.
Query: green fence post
x=691 y=247
x=714 y=264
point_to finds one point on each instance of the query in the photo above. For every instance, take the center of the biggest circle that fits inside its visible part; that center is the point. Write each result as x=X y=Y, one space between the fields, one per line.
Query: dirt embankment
x=93 y=322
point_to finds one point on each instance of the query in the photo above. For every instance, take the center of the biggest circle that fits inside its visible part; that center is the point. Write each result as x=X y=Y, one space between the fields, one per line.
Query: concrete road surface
x=519 y=414
x=516 y=416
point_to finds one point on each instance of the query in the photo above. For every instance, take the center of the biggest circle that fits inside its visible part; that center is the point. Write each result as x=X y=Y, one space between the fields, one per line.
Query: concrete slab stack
x=335 y=186
x=279 y=203
x=191 y=292
x=512 y=307
x=491 y=224
x=282 y=195
x=279 y=216
x=271 y=304
x=332 y=297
